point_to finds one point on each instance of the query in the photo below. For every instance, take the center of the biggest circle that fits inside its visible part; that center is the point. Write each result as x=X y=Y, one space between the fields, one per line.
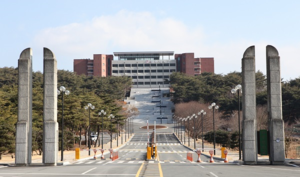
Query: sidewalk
x=69 y=156
x=232 y=154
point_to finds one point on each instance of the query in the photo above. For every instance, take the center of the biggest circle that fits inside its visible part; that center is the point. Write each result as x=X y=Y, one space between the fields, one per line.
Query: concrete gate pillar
x=50 y=139
x=24 y=123
x=276 y=128
x=249 y=106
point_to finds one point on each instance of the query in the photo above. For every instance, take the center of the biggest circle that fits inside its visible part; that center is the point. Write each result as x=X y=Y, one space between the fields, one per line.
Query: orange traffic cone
x=211 y=159
x=226 y=159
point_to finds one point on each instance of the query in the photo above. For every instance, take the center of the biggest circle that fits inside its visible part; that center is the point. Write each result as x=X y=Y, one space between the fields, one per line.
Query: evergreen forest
x=105 y=93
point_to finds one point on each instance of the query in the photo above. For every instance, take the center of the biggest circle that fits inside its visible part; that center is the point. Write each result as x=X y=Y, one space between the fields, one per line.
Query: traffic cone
x=199 y=159
x=226 y=159
x=211 y=159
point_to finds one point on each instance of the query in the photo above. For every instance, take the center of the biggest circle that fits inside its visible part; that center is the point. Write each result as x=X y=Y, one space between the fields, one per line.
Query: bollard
x=77 y=153
x=199 y=154
x=111 y=151
x=211 y=152
x=226 y=158
x=102 y=151
x=95 y=151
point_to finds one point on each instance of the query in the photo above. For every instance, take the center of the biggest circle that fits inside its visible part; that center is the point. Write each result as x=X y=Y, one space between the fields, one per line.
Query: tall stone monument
x=276 y=128
x=50 y=139
x=249 y=106
x=24 y=123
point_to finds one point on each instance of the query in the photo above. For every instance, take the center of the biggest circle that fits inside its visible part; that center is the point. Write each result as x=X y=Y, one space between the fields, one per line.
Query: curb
x=68 y=163
x=217 y=158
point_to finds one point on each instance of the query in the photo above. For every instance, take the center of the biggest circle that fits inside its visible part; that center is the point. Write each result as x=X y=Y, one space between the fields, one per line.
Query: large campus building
x=147 y=69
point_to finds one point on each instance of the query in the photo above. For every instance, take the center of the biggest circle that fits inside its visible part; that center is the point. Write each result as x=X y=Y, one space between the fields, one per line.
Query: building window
x=102 y=57
x=153 y=83
x=134 y=77
x=166 y=64
x=147 y=77
x=141 y=77
x=141 y=65
x=172 y=70
x=127 y=65
x=115 y=71
x=134 y=71
x=127 y=71
x=147 y=83
x=153 y=65
x=141 y=71
x=159 y=77
x=140 y=83
x=166 y=77
x=166 y=70
x=147 y=65
x=121 y=71
x=147 y=71
x=121 y=65
x=160 y=83
x=153 y=77
x=103 y=64
x=115 y=65
x=134 y=65
x=134 y=83
x=159 y=71
x=159 y=64
x=153 y=71
x=172 y=64
x=103 y=70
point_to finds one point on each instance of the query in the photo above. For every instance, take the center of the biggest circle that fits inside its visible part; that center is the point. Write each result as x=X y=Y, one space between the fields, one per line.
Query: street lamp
x=63 y=91
x=180 y=130
x=184 y=119
x=188 y=132
x=195 y=117
x=111 y=117
x=238 y=90
x=202 y=113
x=213 y=106
x=102 y=112
x=89 y=107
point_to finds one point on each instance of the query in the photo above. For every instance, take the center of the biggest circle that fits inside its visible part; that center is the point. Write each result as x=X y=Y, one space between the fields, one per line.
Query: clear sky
x=223 y=29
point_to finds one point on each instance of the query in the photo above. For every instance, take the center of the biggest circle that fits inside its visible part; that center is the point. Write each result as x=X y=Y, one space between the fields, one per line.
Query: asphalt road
x=172 y=163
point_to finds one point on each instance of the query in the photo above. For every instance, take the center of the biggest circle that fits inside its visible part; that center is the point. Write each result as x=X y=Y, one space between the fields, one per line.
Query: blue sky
x=220 y=29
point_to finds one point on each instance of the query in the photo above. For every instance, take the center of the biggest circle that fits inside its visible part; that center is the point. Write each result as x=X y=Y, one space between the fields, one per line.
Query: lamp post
x=125 y=129
x=213 y=106
x=89 y=107
x=185 y=119
x=195 y=117
x=111 y=117
x=180 y=130
x=63 y=91
x=128 y=128
x=238 y=90
x=102 y=113
x=202 y=113
x=188 y=132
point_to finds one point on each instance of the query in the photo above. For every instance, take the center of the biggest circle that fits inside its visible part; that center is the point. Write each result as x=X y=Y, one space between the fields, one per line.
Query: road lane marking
x=130 y=161
x=160 y=171
x=213 y=174
x=89 y=162
x=139 y=171
x=100 y=162
x=89 y=170
x=120 y=161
